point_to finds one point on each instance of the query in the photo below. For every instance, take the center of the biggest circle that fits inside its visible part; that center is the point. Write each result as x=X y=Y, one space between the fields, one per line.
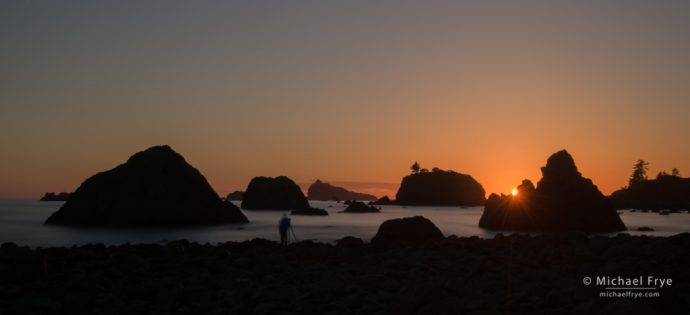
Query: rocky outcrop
x=327 y=192
x=360 y=207
x=664 y=192
x=154 y=188
x=412 y=230
x=562 y=201
x=235 y=195
x=51 y=196
x=279 y=193
x=440 y=188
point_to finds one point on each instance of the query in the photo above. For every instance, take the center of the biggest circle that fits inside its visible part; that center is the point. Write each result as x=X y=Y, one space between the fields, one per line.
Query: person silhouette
x=283 y=227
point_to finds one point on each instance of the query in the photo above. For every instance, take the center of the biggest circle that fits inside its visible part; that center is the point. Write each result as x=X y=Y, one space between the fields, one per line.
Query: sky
x=349 y=92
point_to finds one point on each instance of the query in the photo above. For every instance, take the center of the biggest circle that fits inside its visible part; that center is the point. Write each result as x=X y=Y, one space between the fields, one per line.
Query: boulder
x=279 y=193
x=154 y=188
x=411 y=230
x=327 y=192
x=440 y=188
x=360 y=207
x=562 y=201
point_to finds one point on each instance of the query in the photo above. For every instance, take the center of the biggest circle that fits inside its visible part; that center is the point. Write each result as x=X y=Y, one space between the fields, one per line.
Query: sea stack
x=562 y=201
x=440 y=188
x=154 y=188
x=279 y=193
x=665 y=192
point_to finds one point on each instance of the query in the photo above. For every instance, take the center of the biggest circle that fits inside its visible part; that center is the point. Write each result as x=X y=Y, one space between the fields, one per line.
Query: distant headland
x=327 y=192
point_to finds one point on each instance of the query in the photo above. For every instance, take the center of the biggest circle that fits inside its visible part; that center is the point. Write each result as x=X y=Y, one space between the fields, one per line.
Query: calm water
x=21 y=222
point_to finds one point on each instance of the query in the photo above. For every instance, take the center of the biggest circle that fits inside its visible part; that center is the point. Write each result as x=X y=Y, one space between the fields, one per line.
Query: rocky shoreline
x=507 y=274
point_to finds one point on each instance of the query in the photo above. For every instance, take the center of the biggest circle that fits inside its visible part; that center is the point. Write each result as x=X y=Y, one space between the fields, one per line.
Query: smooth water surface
x=21 y=222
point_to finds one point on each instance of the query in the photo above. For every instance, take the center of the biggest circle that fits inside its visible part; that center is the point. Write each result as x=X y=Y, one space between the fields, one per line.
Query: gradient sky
x=350 y=92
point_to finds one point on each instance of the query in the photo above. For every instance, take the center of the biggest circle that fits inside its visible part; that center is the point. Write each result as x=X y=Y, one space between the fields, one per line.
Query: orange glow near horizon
x=348 y=92
x=514 y=192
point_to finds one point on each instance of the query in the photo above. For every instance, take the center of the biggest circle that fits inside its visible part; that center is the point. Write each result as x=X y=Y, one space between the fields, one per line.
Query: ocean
x=21 y=222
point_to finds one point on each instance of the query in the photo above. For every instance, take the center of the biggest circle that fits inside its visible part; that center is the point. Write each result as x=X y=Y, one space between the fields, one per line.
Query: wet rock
x=360 y=207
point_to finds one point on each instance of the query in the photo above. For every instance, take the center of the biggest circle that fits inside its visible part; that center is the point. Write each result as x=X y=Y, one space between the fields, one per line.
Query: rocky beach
x=515 y=274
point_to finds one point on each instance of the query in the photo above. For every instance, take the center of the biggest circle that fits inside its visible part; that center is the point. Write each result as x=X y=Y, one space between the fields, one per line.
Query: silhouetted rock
x=664 y=192
x=325 y=192
x=155 y=187
x=360 y=207
x=310 y=211
x=235 y=195
x=51 y=196
x=645 y=229
x=440 y=188
x=412 y=230
x=383 y=201
x=279 y=193
x=562 y=201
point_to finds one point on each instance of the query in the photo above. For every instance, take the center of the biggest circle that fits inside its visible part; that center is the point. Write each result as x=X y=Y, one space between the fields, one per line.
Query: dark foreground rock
x=506 y=275
x=562 y=201
x=154 y=188
x=325 y=192
x=310 y=211
x=413 y=230
x=279 y=193
x=440 y=188
x=51 y=196
x=360 y=207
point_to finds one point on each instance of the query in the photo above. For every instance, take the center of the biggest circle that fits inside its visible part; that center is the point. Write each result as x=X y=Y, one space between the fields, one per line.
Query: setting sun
x=514 y=192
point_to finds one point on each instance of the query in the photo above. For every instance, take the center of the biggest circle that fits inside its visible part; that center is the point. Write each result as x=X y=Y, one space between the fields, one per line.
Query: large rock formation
x=325 y=192
x=279 y=193
x=51 y=196
x=440 y=188
x=360 y=207
x=412 y=230
x=562 y=201
x=664 y=192
x=154 y=188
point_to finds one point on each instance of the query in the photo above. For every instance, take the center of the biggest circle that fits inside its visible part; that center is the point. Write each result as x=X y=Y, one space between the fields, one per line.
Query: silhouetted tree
x=424 y=170
x=675 y=172
x=639 y=173
x=435 y=169
x=415 y=168
x=661 y=175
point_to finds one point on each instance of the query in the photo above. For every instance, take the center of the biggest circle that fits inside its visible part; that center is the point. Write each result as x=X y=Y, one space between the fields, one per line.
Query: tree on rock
x=639 y=173
x=415 y=168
